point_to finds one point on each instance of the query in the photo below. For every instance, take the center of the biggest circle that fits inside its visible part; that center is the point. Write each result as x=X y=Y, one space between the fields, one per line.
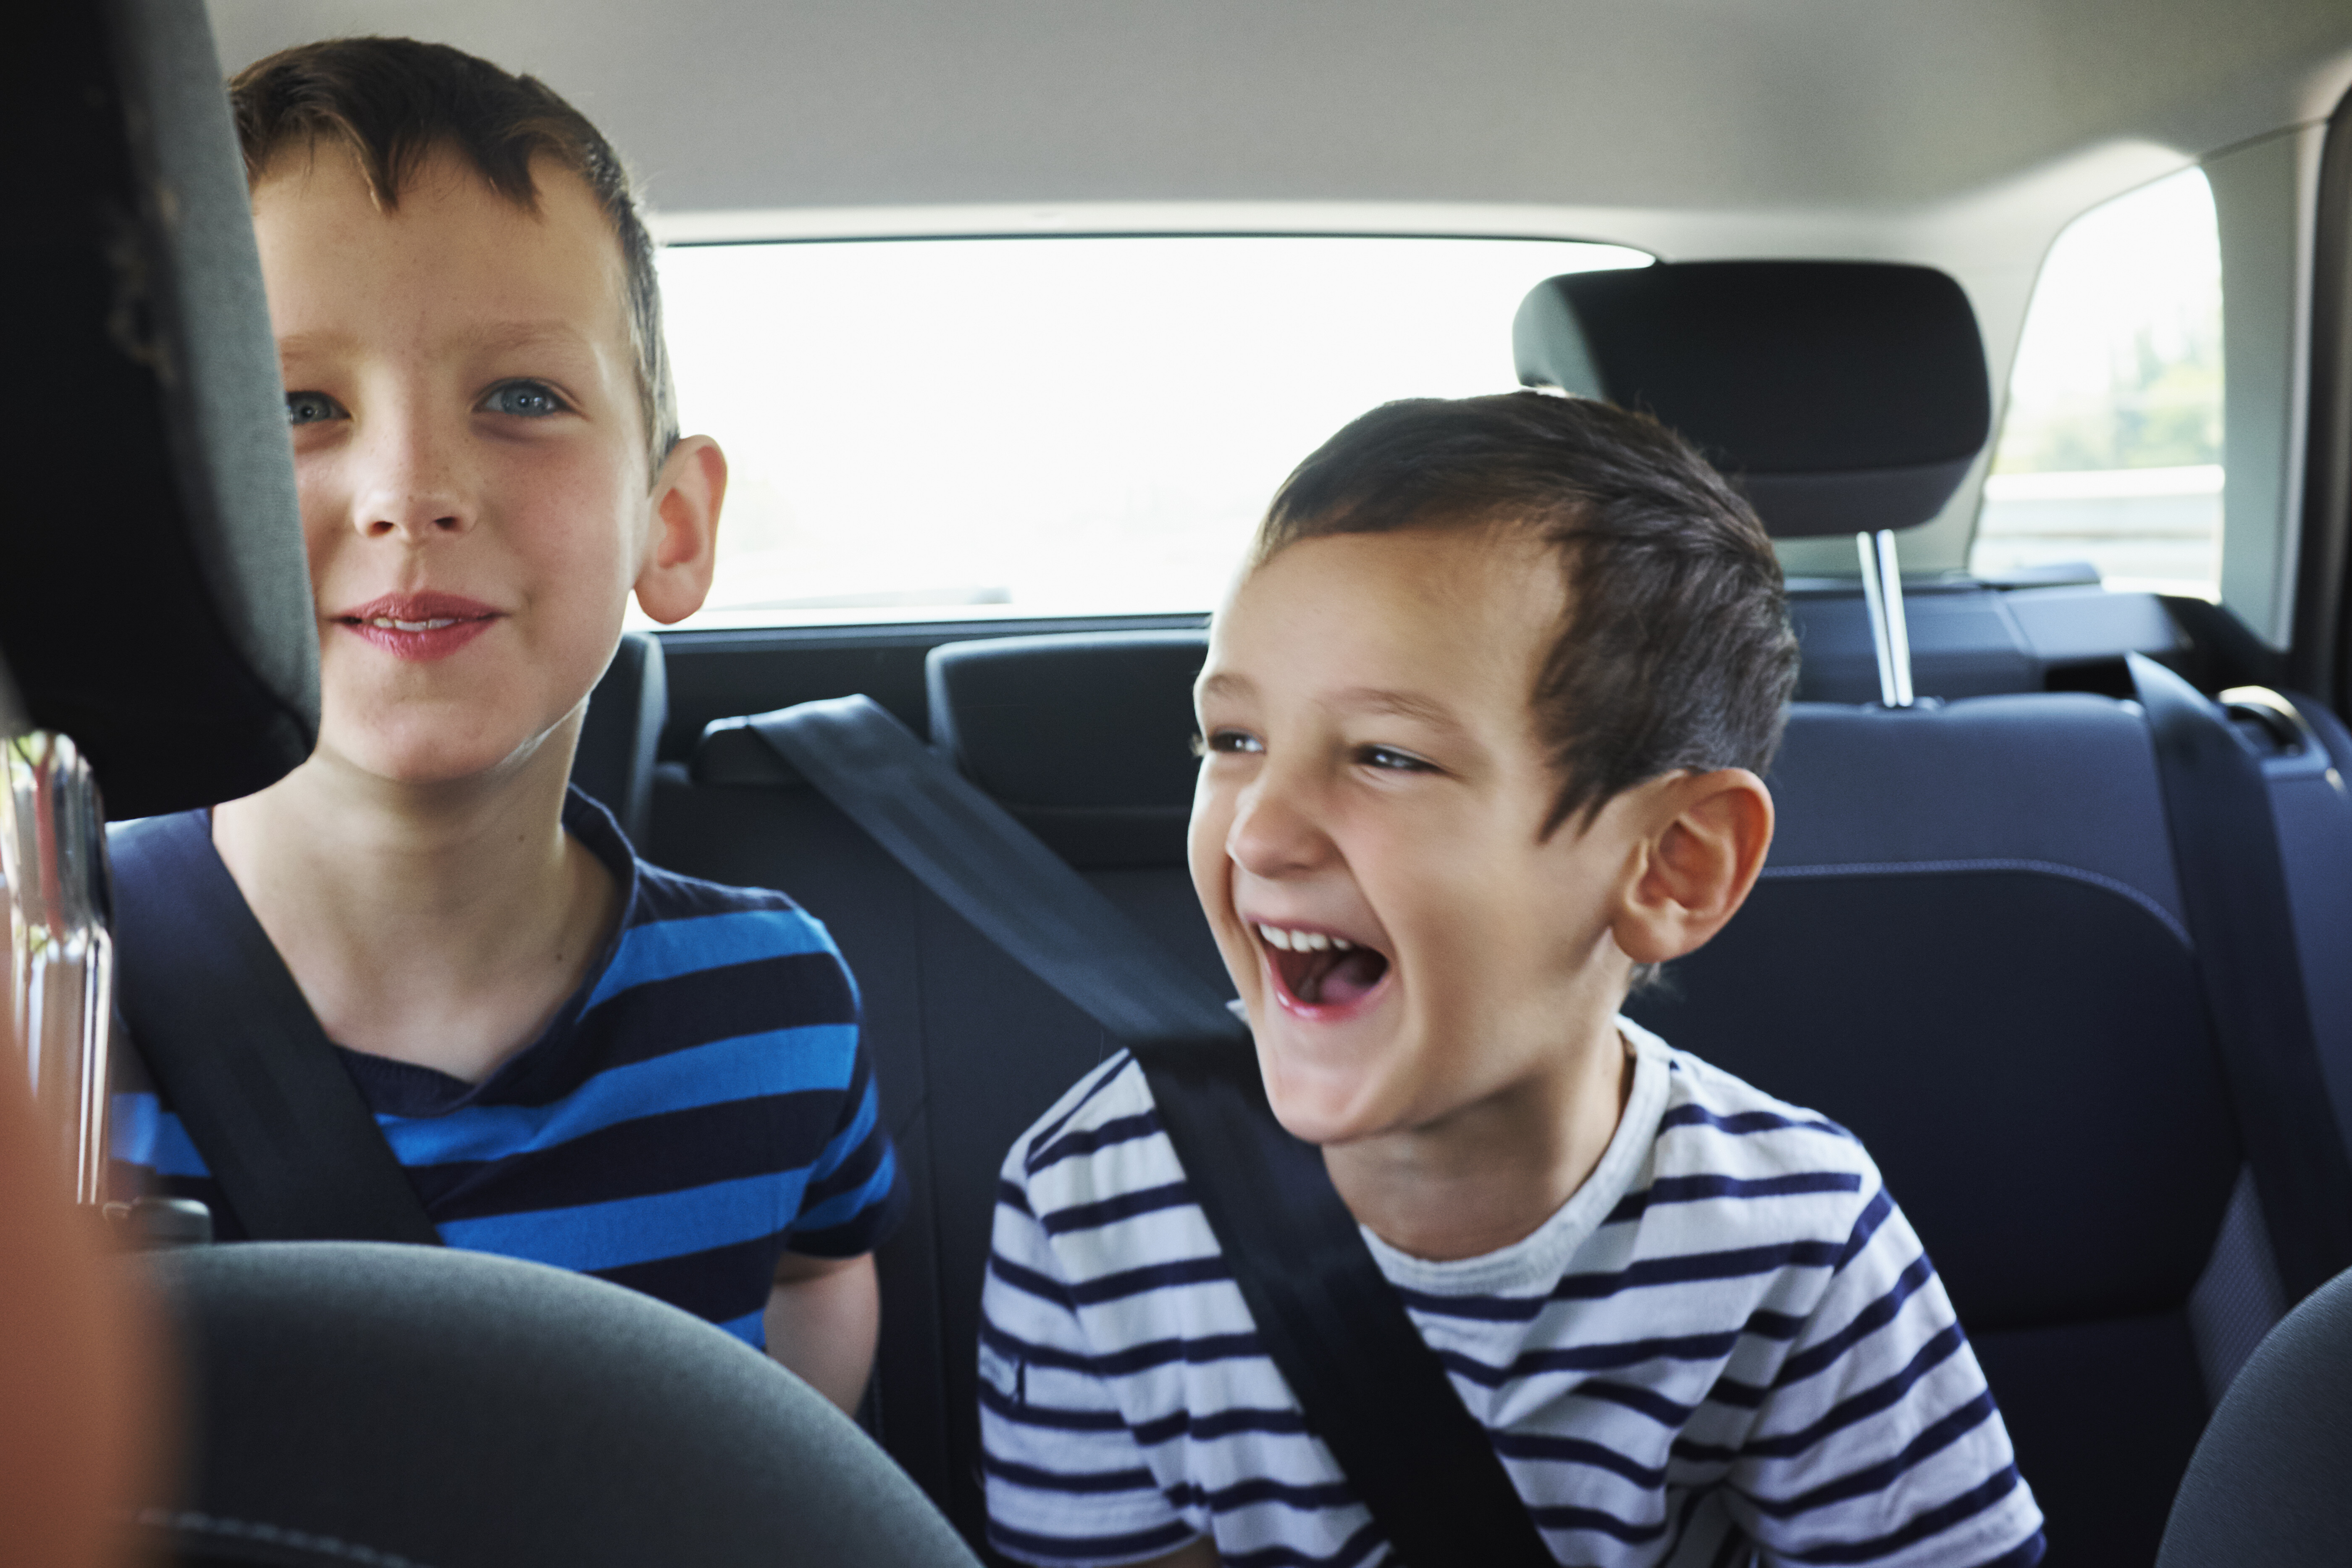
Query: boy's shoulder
x=679 y=925
x=1710 y=1119
x=1096 y=1134
x=1720 y=1137
x=671 y=895
x=675 y=926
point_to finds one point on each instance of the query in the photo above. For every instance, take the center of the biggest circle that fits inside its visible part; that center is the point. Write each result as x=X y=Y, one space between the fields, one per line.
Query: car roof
x=1584 y=110
x=1962 y=135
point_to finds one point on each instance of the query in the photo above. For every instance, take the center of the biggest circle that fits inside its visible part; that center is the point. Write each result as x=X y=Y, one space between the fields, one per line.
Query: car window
x=2110 y=451
x=1053 y=426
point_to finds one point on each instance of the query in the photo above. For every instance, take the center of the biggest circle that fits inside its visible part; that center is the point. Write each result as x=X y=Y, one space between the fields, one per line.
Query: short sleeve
x=854 y=1194
x=1067 y=1478
x=1879 y=1440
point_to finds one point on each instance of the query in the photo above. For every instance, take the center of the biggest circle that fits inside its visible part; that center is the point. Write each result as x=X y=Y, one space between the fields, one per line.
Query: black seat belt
x=1371 y=1389
x=239 y=1055
x=2225 y=845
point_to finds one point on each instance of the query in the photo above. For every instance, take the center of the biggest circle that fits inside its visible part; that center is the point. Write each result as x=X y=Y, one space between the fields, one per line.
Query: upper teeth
x=388 y=623
x=1304 y=940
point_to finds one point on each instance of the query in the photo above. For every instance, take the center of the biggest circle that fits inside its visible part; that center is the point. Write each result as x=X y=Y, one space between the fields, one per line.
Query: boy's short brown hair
x=1675 y=650
x=393 y=103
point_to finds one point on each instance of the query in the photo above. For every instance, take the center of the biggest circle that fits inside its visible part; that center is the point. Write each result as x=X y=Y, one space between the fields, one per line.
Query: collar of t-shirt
x=408 y=1088
x=1535 y=1262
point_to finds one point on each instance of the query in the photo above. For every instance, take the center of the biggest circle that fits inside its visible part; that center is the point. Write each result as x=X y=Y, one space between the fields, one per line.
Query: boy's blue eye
x=524 y=399
x=1226 y=741
x=1392 y=760
x=311 y=407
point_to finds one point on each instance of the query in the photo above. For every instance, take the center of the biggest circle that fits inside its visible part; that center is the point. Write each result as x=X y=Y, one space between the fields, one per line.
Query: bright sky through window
x=2110 y=452
x=925 y=429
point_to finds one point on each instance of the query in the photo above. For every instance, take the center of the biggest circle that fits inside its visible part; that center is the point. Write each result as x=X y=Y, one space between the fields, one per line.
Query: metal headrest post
x=60 y=990
x=1881 y=590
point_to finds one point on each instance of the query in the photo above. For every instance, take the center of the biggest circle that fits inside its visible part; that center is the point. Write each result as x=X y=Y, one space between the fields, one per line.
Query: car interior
x=2054 y=913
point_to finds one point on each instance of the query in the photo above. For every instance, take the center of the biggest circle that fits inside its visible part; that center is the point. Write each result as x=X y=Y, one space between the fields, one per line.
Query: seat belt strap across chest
x=239 y=1055
x=1370 y=1386
x=2234 y=885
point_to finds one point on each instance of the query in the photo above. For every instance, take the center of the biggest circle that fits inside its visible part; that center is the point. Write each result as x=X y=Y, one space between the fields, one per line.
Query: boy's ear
x=682 y=547
x=1697 y=866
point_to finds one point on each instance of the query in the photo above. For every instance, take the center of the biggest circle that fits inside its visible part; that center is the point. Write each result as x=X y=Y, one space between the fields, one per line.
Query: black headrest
x=358 y=1402
x=155 y=599
x=12 y=713
x=1841 y=395
x=1084 y=736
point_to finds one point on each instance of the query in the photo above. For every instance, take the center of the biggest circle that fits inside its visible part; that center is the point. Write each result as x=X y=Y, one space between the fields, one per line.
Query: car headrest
x=365 y=1403
x=154 y=598
x=619 y=737
x=1084 y=736
x=1840 y=395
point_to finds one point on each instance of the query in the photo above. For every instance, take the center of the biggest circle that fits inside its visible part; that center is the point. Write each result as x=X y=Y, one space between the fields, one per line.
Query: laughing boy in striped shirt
x=1482 y=721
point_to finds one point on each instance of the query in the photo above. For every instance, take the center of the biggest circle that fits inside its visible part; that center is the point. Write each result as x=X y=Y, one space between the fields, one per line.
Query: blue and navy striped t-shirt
x=1727 y=1348
x=701 y=1105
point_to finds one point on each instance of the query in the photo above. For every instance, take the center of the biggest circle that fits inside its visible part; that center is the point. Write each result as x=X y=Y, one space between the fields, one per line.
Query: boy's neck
x=1491 y=1173
x=444 y=924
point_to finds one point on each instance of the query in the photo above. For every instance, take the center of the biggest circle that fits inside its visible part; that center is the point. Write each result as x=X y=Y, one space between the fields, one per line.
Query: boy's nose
x=415 y=518
x=1276 y=831
x=410 y=487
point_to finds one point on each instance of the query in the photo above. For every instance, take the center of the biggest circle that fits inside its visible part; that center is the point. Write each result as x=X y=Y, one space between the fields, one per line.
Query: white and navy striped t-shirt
x=1727 y=1340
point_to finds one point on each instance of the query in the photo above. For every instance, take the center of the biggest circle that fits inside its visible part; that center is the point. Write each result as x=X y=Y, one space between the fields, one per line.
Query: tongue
x=1355 y=974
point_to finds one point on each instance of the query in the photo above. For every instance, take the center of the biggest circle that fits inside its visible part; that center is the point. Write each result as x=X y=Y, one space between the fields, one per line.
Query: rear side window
x=2110 y=449
x=932 y=429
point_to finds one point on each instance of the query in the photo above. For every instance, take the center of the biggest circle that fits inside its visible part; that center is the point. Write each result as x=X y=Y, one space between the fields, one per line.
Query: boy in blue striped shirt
x=1483 y=721
x=577 y=1058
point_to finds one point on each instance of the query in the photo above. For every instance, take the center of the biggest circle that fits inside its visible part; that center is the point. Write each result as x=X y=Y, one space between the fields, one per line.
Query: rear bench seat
x=1968 y=946
x=1094 y=754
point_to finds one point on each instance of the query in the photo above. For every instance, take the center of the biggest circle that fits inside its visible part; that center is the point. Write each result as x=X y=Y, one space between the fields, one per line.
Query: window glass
x=2110 y=453
x=925 y=429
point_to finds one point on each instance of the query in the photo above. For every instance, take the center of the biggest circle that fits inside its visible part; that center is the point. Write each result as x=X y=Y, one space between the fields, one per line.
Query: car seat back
x=620 y=732
x=2267 y=1483
x=1968 y=946
x=363 y=1403
x=968 y=1048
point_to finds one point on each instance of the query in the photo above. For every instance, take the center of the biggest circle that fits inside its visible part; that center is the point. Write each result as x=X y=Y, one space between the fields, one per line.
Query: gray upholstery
x=155 y=599
x=451 y=1409
x=2272 y=1480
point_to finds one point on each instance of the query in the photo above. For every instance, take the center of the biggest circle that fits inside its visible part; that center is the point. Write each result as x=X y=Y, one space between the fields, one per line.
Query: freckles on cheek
x=322 y=523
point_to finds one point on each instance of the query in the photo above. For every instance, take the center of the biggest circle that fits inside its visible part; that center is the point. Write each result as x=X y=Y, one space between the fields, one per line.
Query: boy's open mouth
x=1318 y=970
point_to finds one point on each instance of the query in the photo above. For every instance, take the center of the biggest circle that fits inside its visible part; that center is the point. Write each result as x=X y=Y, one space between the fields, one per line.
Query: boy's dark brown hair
x=1675 y=649
x=393 y=103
